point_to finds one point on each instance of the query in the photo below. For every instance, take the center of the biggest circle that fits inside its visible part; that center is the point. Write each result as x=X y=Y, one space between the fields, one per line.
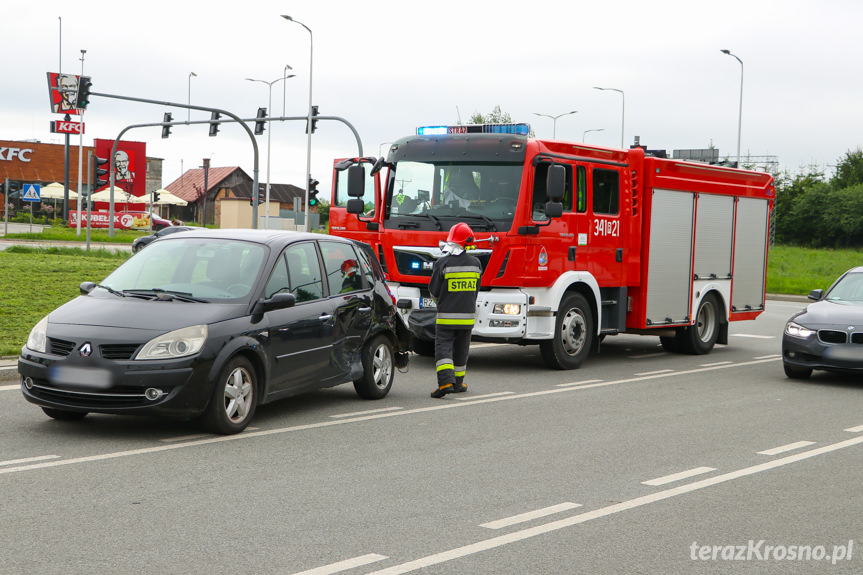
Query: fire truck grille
x=421 y=263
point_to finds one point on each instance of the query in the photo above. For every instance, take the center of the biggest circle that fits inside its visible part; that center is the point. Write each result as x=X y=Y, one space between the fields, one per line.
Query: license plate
x=427 y=302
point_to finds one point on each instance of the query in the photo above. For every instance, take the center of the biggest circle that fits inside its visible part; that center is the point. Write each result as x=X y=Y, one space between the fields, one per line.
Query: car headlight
x=175 y=344
x=797 y=330
x=38 y=338
x=507 y=308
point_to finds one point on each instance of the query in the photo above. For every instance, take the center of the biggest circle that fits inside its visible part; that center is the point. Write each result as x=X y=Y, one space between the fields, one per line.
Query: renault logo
x=86 y=350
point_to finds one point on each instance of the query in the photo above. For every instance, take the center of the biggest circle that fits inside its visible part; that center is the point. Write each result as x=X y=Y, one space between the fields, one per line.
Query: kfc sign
x=63 y=92
x=130 y=164
x=9 y=154
x=67 y=127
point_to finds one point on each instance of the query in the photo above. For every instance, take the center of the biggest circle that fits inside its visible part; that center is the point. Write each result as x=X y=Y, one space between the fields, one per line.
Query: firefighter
x=454 y=283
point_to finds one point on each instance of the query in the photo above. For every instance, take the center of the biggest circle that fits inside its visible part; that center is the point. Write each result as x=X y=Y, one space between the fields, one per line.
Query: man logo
x=86 y=350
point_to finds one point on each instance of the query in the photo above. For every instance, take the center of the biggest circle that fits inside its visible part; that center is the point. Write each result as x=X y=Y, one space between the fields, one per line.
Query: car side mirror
x=815 y=294
x=553 y=209
x=278 y=301
x=355 y=206
x=356 y=181
x=86 y=287
x=556 y=183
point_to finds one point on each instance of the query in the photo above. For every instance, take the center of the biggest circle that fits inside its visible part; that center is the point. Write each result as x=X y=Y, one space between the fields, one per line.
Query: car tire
x=573 y=334
x=699 y=338
x=423 y=347
x=378 y=369
x=63 y=414
x=234 y=398
x=794 y=372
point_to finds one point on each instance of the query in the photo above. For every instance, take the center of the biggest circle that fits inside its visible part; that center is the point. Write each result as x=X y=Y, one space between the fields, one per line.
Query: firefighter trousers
x=451 y=348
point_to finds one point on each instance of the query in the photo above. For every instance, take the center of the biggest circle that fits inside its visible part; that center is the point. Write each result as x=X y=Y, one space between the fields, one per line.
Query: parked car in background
x=142 y=242
x=209 y=324
x=828 y=334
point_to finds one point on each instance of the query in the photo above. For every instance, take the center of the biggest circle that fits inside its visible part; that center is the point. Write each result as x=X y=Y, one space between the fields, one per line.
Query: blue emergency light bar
x=517 y=129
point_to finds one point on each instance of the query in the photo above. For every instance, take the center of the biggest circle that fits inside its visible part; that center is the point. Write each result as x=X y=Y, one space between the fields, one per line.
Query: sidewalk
x=8 y=369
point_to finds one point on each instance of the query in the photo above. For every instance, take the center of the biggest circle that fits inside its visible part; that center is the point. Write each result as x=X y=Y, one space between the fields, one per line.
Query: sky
x=389 y=67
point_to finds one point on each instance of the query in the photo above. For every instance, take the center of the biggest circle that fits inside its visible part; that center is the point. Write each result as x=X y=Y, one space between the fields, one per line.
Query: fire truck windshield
x=423 y=195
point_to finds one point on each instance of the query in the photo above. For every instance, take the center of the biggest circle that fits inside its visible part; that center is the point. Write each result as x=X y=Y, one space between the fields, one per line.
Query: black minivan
x=208 y=324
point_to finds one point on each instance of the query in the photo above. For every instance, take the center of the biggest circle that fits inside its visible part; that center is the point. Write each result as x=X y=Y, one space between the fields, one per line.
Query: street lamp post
x=309 y=117
x=189 y=111
x=554 y=133
x=740 y=109
x=583 y=136
x=380 y=147
x=622 y=112
x=269 y=139
x=285 y=87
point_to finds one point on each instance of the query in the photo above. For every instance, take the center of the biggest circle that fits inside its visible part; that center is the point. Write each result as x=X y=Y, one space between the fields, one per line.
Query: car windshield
x=849 y=288
x=190 y=268
x=427 y=195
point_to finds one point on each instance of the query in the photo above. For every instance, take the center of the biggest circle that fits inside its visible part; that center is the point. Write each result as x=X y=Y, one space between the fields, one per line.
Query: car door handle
x=325 y=317
x=364 y=310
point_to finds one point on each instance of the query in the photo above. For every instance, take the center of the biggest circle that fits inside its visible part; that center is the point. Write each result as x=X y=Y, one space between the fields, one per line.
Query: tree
x=496 y=116
x=849 y=171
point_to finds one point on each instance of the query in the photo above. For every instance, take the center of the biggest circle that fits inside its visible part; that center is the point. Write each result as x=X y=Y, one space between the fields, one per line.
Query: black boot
x=442 y=390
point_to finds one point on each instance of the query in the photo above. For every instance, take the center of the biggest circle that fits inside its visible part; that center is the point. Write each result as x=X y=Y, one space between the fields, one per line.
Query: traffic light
x=313 y=192
x=261 y=196
x=260 y=124
x=214 y=127
x=96 y=180
x=83 y=99
x=166 y=130
x=314 y=120
x=155 y=197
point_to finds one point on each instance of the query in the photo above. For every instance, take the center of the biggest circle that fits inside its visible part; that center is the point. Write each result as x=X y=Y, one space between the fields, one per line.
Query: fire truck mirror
x=556 y=182
x=355 y=206
x=356 y=181
x=554 y=209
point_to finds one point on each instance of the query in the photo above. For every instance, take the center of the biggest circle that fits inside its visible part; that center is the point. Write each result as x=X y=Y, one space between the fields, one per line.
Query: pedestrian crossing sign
x=31 y=193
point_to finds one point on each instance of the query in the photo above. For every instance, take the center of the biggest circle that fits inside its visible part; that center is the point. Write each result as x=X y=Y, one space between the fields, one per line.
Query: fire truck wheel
x=573 y=334
x=699 y=338
x=424 y=347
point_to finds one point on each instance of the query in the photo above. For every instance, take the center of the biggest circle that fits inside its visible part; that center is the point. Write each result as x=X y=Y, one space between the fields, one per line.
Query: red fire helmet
x=460 y=234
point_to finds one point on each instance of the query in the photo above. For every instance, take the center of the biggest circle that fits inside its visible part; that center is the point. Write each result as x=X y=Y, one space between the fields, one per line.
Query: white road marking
x=647 y=355
x=436 y=407
x=530 y=515
x=857 y=429
x=658 y=371
x=716 y=363
x=784 y=448
x=678 y=476
x=28 y=459
x=471 y=397
x=370 y=411
x=502 y=540
x=196 y=436
x=585 y=382
x=753 y=336
x=186 y=437
x=344 y=565
x=773 y=356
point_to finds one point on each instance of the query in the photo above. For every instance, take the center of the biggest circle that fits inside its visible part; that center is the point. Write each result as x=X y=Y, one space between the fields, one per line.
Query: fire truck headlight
x=507 y=308
x=797 y=330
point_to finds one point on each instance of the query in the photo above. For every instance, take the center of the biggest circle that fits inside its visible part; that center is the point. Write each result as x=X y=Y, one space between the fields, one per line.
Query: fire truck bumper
x=500 y=314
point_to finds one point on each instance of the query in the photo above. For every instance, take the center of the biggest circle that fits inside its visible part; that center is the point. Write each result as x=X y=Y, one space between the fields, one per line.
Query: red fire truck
x=577 y=242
